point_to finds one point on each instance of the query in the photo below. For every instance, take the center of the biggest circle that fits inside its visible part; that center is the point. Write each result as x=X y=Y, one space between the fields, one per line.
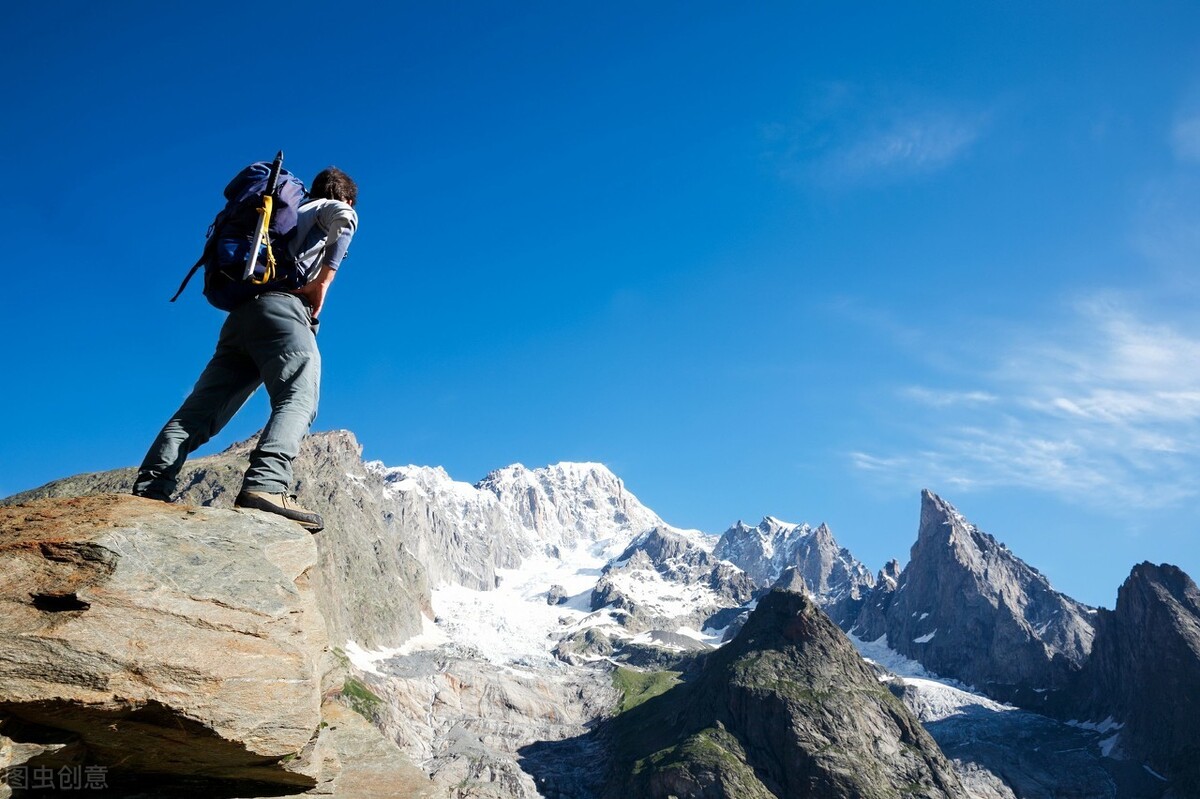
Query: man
x=268 y=340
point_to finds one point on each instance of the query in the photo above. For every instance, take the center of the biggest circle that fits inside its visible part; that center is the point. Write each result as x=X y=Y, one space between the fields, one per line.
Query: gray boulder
x=168 y=640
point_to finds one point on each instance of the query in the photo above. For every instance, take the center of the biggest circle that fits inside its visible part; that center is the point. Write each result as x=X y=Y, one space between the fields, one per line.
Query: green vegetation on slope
x=638 y=686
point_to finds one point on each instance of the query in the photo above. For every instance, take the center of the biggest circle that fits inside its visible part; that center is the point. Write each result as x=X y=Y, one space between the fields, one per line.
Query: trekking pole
x=264 y=223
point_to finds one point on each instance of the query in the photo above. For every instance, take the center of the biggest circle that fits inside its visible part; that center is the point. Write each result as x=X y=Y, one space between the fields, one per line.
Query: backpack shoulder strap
x=191 y=272
x=208 y=243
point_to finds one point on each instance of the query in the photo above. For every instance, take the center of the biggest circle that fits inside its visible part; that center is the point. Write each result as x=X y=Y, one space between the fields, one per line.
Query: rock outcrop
x=371 y=588
x=788 y=708
x=1144 y=673
x=968 y=608
x=178 y=648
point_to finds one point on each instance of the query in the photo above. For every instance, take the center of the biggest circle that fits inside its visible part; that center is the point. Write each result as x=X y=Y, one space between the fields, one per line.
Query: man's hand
x=316 y=289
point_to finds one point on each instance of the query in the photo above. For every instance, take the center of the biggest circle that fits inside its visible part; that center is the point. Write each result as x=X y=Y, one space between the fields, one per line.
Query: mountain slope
x=788 y=708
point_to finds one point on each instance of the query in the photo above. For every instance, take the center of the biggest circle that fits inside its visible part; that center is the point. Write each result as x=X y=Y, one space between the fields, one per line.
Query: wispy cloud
x=848 y=135
x=1104 y=411
x=915 y=143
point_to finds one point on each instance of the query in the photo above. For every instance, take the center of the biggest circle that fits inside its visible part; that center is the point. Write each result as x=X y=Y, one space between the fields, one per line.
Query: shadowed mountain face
x=787 y=708
x=968 y=608
x=1145 y=672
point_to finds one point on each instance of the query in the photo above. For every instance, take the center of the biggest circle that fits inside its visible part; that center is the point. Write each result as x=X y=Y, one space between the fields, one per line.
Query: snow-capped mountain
x=463 y=533
x=830 y=572
x=567 y=503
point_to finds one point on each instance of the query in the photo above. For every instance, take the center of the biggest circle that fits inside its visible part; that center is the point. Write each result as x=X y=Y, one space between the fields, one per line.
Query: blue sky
x=790 y=259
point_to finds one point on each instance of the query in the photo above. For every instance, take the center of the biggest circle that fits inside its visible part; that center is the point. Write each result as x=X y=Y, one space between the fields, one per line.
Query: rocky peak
x=788 y=708
x=966 y=607
x=890 y=573
x=664 y=545
x=1145 y=672
x=765 y=552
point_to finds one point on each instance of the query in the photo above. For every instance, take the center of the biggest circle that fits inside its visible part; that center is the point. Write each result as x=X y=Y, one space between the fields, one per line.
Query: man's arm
x=340 y=220
x=314 y=291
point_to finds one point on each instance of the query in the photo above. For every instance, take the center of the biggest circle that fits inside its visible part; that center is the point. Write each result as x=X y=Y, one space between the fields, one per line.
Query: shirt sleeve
x=340 y=223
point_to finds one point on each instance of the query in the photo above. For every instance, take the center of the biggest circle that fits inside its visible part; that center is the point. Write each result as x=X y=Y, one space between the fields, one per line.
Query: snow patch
x=930 y=697
x=924 y=639
x=1108 y=725
x=1108 y=744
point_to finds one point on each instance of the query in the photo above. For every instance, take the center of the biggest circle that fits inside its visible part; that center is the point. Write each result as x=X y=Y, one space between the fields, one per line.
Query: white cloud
x=1104 y=411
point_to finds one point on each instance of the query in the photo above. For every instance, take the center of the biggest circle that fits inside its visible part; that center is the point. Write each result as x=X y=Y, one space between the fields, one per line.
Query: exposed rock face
x=786 y=709
x=460 y=534
x=666 y=579
x=829 y=572
x=1145 y=672
x=967 y=608
x=371 y=588
x=167 y=639
x=871 y=622
x=466 y=720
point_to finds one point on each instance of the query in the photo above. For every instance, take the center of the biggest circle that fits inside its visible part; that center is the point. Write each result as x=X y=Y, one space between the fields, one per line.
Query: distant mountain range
x=520 y=601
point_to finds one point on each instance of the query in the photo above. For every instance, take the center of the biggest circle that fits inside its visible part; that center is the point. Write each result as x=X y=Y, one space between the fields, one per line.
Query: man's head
x=332 y=183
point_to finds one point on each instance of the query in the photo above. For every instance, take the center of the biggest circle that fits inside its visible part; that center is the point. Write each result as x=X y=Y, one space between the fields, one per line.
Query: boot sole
x=312 y=525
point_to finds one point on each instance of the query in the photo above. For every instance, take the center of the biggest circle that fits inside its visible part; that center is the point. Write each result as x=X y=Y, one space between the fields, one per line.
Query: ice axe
x=261 y=233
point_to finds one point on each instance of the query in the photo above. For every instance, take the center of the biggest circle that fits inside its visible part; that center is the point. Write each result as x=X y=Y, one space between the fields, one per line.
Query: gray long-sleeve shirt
x=323 y=232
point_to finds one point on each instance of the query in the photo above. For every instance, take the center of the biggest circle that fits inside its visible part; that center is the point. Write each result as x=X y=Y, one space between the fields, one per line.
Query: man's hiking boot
x=281 y=505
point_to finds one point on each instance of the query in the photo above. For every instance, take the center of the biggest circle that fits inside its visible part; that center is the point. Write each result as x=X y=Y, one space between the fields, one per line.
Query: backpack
x=231 y=236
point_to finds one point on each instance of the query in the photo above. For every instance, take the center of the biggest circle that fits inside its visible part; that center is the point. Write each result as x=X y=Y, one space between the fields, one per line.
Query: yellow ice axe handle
x=260 y=235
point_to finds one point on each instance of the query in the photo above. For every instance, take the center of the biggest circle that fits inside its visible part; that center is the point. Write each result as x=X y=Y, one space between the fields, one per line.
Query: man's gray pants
x=268 y=341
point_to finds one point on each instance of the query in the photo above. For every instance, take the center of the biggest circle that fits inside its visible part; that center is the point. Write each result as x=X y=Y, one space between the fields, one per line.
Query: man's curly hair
x=332 y=183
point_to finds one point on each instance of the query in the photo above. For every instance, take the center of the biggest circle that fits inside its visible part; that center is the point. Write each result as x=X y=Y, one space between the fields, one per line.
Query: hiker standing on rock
x=269 y=337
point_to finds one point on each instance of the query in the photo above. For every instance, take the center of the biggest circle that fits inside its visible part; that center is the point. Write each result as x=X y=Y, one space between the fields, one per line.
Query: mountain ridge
x=474 y=553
